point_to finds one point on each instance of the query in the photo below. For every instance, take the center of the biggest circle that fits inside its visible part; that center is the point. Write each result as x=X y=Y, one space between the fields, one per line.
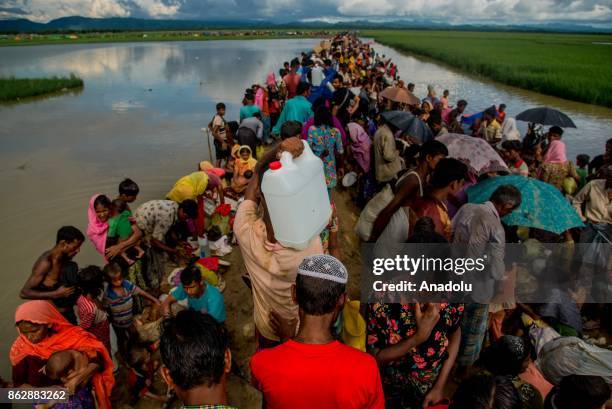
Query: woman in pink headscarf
x=555 y=166
x=98 y=214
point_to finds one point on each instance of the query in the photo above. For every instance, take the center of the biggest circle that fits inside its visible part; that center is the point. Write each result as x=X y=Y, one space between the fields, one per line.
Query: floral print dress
x=415 y=373
x=326 y=142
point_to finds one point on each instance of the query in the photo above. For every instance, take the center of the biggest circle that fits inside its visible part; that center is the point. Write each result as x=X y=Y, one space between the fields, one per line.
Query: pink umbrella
x=474 y=152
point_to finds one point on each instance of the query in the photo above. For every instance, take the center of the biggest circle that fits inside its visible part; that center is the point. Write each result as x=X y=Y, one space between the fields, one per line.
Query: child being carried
x=120 y=229
x=60 y=368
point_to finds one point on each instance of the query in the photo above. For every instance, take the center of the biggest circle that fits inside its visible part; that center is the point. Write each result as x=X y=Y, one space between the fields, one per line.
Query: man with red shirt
x=292 y=80
x=313 y=370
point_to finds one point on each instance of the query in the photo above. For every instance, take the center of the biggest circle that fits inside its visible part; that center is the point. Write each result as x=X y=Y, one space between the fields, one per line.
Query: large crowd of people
x=315 y=347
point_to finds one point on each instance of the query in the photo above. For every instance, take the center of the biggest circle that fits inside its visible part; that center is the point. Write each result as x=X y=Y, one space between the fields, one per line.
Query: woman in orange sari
x=42 y=331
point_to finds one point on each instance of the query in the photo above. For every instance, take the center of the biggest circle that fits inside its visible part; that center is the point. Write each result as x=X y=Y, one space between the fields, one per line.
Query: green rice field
x=13 y=89
x=572 y=66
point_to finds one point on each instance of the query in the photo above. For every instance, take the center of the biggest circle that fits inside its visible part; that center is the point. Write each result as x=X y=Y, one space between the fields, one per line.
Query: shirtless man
x=50 y=278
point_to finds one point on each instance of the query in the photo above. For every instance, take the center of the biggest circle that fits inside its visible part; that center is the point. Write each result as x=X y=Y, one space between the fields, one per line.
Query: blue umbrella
x=542 y=206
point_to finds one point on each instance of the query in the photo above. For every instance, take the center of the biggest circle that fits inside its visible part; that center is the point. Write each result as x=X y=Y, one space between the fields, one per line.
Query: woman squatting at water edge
x=336 y=127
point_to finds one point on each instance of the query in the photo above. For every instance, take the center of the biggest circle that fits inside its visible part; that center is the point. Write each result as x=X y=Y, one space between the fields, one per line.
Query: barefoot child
x=120 y=229
x=119 y=302
x=142 y=373
x=218 y=130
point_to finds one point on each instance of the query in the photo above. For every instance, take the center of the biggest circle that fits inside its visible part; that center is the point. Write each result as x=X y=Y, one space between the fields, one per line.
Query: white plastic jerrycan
x=296 y=195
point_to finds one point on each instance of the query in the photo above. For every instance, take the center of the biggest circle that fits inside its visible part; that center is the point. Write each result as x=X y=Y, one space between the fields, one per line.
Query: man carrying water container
x=271 y=267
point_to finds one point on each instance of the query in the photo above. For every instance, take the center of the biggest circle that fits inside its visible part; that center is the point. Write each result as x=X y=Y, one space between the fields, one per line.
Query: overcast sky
x=451 y=11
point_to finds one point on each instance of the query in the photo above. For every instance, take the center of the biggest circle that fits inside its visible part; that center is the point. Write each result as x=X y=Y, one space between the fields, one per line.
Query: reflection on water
x=61 y=93
x=140 y=116
x=126 y=106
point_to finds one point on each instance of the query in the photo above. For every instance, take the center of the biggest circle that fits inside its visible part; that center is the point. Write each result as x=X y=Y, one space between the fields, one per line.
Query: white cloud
x=156 y=8
x=507 y=11
x=452 y=11
x=44 y=10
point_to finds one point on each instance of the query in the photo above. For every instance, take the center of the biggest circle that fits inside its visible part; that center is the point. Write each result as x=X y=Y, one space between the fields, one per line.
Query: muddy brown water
x=139 y=115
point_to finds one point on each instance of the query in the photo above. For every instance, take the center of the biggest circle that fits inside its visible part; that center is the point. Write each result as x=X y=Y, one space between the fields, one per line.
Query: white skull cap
x=324 y=267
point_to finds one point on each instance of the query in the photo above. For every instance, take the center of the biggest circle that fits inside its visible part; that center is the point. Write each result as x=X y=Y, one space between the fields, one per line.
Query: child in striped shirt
x=119 y=301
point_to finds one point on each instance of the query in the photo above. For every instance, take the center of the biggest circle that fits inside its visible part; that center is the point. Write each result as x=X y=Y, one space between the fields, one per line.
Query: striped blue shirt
x=121 y=305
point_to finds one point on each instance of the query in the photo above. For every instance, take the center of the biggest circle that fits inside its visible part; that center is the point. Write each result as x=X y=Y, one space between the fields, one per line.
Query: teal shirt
x=211 y=301
x=296 y=109
x=248 y=111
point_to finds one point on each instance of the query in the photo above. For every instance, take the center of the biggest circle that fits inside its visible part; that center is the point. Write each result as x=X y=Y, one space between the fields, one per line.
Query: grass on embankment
x=569 y=66
x=13 y=89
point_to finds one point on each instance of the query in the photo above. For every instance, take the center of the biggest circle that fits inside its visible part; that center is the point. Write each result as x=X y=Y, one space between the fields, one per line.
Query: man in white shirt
x=317 y=75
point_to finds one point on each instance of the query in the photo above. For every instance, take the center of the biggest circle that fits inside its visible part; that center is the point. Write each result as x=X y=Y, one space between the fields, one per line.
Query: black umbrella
x=409 y=124
x=546 y=116
x=398 y=119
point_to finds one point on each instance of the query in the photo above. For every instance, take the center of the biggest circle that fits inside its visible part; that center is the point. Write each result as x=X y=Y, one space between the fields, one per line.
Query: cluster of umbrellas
x=543 y=206
x=475 y=152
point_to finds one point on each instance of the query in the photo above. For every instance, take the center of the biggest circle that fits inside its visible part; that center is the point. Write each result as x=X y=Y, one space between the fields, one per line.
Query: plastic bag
x=353 y=326
x=208 y=275
x=221 y=218
x=572 y=356
x=148 y=324
x=540 y=333
x=370 y=212
x=220 y=247
x=209 y=205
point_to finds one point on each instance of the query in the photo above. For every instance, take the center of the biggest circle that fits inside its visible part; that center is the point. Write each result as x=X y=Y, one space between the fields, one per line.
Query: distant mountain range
x=77 y=23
